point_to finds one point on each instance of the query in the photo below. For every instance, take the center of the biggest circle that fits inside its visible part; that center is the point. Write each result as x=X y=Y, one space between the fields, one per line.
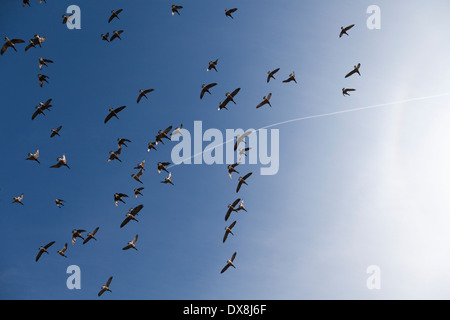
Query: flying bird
x=229 y=12
x=231 y=208
x=162 y=166
x=61 y=162
x=228 y=231
x=26 y=2
x=10 y=44
x=118 y=197
x=41 y=108
x=105 y=36
x=355 y=70
x=241 y=206
x=175 y=9
x=131 y=244
x=177 y=130
x=138 y=192
x=59 y=203
x=240 y=139
x=43 y=62
x=266 y=100
x=114 y=155
x=242 y=152
x=212 y=65
x=18 y=199
x=345 y=91
x=168 y=179
x=42 y=78
x=138 y=176
x=66 y=18
x=151 y=145
x=243 y=181
x=116 y=34
x=33 y=156
x=229 y=97
x=77 y=234
x=55 y=132
x=140 y=165
x=121 y=142
x=291 y=78
x=105 y=287
x=131 y=215
x=163 y=134
x=113 y=113
x=229 y=263
x=232 y=168
x=91 y=235
x=205 y=88
x=344 y=30
x=115 y=14
x=62 y=252
x=44 y=249
x=143 y=93
x=271 y=73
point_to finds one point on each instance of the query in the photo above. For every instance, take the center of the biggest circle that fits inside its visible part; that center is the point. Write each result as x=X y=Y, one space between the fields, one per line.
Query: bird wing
x=232 y=10
x=117 y=110
x=110 y=18
x=101 y=292
x=108 y=117
x=248 y=175
x=228 y=214
x=236 y=202
x=135 y=239
x=225 y=236
x=36 y=113
x=4 y=48
x=109 y=281
x=39 y=255
x=349 y=27
x=234 y=256
x=209 y=86
x=127 y=247
x=49 y=245
x=124 y=222
x=136 y=210
x=168 y=129
x=225 y=268
x=235 y=92
x=95 y=231
x=261 y=104
x=232 y=225
x=239 y=186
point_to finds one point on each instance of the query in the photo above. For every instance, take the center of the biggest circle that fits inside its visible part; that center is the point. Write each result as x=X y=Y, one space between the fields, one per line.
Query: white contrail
x=322 y=115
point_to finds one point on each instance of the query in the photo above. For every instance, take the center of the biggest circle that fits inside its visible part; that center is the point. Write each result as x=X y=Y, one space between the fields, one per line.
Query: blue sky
x=353 y=190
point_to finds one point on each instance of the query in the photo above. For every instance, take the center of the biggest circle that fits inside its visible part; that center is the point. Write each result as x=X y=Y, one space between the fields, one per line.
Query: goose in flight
x=67 y=18
x=41 y=108
x=140 y=165
x=113 y=113
x=114 y=14
x=355 y=70
x=131 y=215
x=229 y=263
x=232 y=168
x=55 y=132
x=10 y=43
x=131 y=244
x=345 y=91
x=205 y=88
x=229 y=97
x=18 y=199
x=42 y=78
x=143 y=93
x=105 y=36
x=229 y=12
x=43 y=62
x=26 y=2
x=114 y=155
x=33 y=156
x=59 y=203
x=291 y=78
x=151 y=145
x=62 y=252
x=162 y=166
x=243 y=181
x=266 y=100
x=118 y=197
x=270 y=74
x=240 y=139
x=61 y=162
x=231 y=208
x=105 y=287
x=241 y=206
x=344 y=30
x=77 y=234
x=37 y=40
x=177 y=130
x=242 y=152
x=138 y=176
x=212 y=65
x=138 y=192
x=44 y=249
x=163 y=134
x=175 y=9
x=91 y=235
x=228 y=231
x=168 y=179
x=116 y=34
x=121 y=142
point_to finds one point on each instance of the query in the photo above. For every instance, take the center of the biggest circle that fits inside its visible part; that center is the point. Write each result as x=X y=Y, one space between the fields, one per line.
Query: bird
x=113 y=113
x=138 y=192
x=36 y=40
x=344 y=30
x=229 y=12
x=33 y=156
x=41 y=108
x=140 y=165
x=77 y=234
x=131 y=215
x=212 y=65
x=228 y=231
x=242 y=180
x=231 y=208
x=291 y=78
x=138 y=176
x=355 y=70
x=91 y=235
x=105 y=36
x=62 y=252
x=143 y=93
x=26 y=2
x=118 y=197
x=116 y=34
x=266 y=100
x=229 y=97
x=177 y=130
x=131 y=244
x=43 y=62
x=162 y=166
x=59 y=203
x=105 y=287
x=168 y=179
x=66 y=18
x=44 y=249
x=42 y=78
x=345 y=91
x=61 y=162
x=175 y=9
x=55 y=132
x=242 y=152
x=205 y=88
x=121 y=142
x=163 y=134
x=10 y=43
x=240 y=139
x=241 y=206
x=18 y=199
x=232 y=168
x=229 y=263
x=271 y=73
x=115 y=14
x=151 y=145
x=114 y=155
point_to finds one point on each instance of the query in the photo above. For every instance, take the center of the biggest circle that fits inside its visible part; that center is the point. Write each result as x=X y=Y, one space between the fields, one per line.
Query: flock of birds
x=236 y=206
